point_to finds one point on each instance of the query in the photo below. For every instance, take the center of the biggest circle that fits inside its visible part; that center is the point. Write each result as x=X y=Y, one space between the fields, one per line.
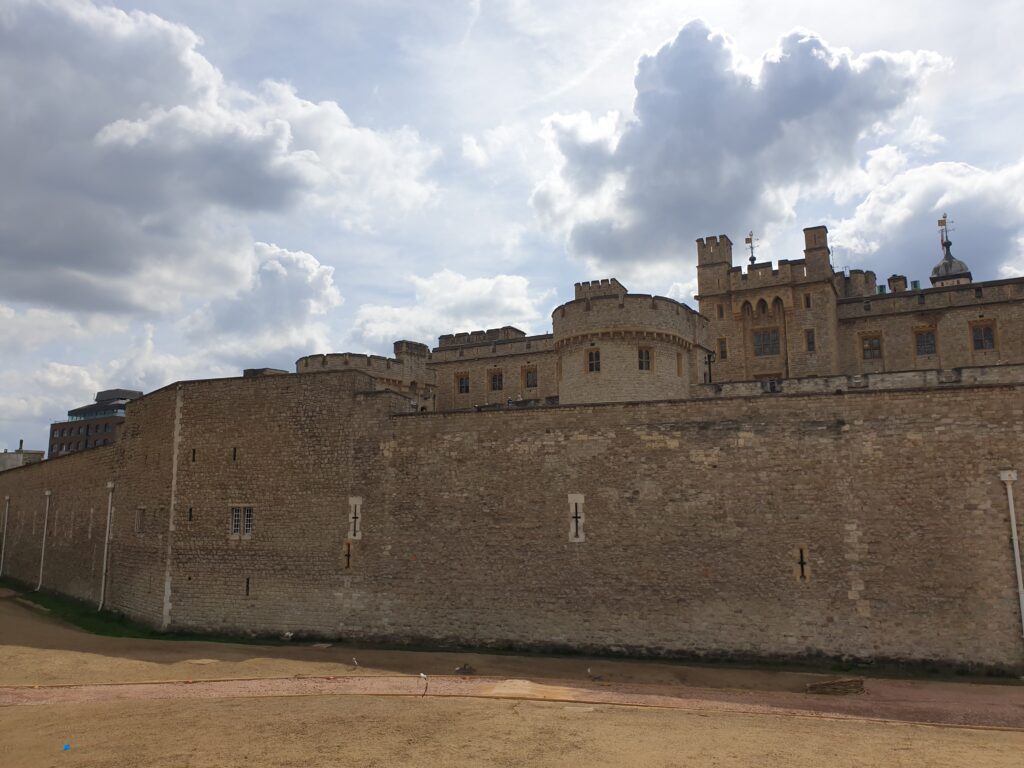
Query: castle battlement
x=480 y=337
x=593 y=289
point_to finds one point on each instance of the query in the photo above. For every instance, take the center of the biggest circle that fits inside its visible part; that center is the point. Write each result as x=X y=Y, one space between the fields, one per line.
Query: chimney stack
x=21 y=444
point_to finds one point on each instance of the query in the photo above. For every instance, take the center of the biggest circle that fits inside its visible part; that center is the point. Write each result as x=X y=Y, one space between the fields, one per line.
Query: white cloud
x=713 y=148
x=32 y=328
x=280 y=314
x=448 y=302
x=894 y=227
x=48 y=393
x=132 y=168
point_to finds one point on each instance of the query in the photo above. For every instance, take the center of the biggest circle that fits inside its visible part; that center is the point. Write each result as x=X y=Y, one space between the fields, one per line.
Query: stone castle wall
x=696 y=515
x=511 y=357
x=617 y=327
x=74 y=526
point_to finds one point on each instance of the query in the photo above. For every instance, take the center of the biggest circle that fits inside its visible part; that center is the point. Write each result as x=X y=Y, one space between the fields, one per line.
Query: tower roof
x=950 y=267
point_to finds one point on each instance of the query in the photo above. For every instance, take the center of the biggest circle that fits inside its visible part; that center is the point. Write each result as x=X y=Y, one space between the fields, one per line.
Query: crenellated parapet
x=616 y=346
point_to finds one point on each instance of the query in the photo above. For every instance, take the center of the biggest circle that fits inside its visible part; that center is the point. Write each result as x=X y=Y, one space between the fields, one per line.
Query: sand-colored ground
x=306 y=706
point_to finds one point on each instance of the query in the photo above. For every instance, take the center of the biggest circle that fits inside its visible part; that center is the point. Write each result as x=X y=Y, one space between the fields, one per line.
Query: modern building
x=19 y=458
x=91 y=425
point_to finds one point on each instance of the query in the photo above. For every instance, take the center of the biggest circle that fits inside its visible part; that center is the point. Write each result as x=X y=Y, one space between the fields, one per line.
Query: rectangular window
x=530 y=377
x=871 y=347
x=497 y=381
x=809 y=339
x=593 y=361
x=462 y=383
x=140 y=515
x=236 y=521
x=924 y=341
x=984 y=336
x=807 y=301
x=721 y=312
x=644 y=359
x=247 y=521
x=766 y=342
x=723 y=349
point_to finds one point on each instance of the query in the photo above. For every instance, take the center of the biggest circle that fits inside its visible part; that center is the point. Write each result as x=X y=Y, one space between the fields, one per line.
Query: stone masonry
x=870 y=523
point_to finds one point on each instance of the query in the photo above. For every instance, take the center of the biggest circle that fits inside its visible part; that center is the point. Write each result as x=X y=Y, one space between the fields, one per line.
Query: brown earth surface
x=127 y=702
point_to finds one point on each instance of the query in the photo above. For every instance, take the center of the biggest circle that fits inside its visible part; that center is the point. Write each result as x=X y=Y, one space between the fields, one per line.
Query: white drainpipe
x=42 y=551
x=3 y=546
x=106 y=544
x=1009 y=476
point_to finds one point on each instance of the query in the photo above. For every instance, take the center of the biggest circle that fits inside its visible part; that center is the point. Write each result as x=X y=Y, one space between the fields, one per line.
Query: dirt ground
x=126 y=702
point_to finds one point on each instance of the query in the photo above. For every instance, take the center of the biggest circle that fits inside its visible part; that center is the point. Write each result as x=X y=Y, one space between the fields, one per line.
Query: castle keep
x=587 y=489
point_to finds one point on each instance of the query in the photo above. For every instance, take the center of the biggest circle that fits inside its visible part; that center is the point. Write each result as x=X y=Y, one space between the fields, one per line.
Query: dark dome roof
x=950 y=266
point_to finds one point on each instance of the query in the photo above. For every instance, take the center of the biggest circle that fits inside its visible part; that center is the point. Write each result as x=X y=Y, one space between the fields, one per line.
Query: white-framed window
x=241 y=521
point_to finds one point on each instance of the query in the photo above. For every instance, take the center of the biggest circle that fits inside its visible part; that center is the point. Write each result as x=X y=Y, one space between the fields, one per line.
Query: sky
x=190 y=188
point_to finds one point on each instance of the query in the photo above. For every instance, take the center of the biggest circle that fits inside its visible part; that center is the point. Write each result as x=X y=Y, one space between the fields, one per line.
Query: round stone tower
x=614 y=346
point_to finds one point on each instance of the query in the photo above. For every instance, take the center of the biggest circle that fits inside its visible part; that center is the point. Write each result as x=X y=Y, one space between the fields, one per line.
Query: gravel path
x=884 y=700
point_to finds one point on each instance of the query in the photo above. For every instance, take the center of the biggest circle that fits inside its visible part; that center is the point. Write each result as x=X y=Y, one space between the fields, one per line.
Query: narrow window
x=234 y=454
x=348 y=554
x=576 y=517
x=236 y=521
x=190 y=514
x=977 y=293
x=871 y=347
x=355 y=517
x=723 y=350
x=497 y=381
x=530 y=377
x=721 y=312
x=809 y=338
x=924 y=341
x=766 y=342
x=644 y=359
x=984 y=336
x=593 y=361
x=920 y=298
x=247 y=521
x=807 y=301
x=246 y=586
x=193 y=454
x=802 y=568
x=462 y=383
x=140 y=515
